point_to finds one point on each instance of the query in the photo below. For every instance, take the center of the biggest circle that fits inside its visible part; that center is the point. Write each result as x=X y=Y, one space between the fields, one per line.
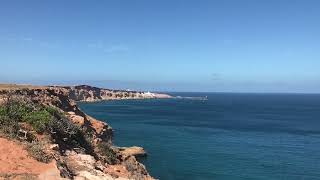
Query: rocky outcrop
x=132 y=151
x=74 y=164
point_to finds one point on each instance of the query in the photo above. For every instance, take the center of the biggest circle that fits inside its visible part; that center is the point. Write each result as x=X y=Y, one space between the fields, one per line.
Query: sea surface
x=226 y=137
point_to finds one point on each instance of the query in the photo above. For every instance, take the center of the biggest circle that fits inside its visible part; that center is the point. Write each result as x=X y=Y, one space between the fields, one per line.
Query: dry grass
x=36 y=150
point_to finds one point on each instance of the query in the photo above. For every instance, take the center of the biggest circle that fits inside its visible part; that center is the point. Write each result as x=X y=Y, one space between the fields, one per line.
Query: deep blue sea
x=227 y=137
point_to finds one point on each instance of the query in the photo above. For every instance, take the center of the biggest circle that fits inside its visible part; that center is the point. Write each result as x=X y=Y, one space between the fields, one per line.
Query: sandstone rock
x=77 y=119
x=136 y=169
x=85 y=175
x=103 y=132
x=71 y=113
x=84 y=167
x=98 y=165
x=117 y=171
x=133 y=151
x=83 y=161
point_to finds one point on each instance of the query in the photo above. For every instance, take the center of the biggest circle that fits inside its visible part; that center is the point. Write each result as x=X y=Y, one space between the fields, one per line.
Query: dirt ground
x=15 y=162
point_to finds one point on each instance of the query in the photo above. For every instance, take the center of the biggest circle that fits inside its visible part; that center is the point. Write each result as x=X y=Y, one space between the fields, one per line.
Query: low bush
x=38 y=119
x=16 y=108
x=69 y=135
x=63 y=127
x=106 y=151
x=36 y=150
x=2 y=111
x=8 y=126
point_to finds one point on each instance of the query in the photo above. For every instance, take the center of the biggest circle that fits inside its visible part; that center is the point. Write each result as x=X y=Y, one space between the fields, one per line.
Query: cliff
x=89 y=94
x=80 y=146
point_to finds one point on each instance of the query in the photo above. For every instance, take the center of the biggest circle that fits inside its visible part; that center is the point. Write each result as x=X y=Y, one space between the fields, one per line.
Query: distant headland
x=88 y=93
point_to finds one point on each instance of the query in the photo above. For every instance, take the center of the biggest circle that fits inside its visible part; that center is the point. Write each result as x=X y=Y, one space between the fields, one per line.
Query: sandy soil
x=14 y=161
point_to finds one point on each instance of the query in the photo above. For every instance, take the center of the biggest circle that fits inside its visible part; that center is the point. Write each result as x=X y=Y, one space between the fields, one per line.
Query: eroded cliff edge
x=89 y=93
x=90 y=157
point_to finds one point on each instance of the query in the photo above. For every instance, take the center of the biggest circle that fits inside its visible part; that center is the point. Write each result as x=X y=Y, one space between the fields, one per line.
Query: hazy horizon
x=182 y=46
x=116 y=85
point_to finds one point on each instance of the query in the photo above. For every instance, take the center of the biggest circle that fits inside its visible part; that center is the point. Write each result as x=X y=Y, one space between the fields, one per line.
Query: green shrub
x=19 y=109
x=2 y=111
x=106 y=151
x=53 y=111
x=42 y=119
x=16 y=108
x=38 y=119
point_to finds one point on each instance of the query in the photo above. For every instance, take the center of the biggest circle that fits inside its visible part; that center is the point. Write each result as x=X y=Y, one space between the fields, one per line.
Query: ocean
x=229 y=136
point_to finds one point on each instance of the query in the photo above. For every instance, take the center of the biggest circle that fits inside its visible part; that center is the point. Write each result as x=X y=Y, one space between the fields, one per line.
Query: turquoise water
x=228 y=136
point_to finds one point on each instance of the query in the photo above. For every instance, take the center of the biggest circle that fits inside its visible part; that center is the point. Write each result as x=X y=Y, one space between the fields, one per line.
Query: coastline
x=65 y=99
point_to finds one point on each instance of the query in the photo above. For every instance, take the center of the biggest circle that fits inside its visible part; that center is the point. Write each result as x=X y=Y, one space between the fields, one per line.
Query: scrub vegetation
x=22 y=119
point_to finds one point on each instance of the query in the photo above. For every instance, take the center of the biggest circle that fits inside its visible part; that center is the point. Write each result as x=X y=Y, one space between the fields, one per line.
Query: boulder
x=132 y=151
x=77 y=119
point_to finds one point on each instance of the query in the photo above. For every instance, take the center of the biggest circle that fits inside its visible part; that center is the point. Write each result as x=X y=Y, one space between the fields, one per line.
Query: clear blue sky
x=174 y=45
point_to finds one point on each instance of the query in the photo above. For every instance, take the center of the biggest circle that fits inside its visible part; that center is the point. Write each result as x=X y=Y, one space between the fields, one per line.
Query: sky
x=163 y=45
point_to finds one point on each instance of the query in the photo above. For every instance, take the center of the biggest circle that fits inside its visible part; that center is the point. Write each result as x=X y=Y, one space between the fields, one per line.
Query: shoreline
x=65 y=99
